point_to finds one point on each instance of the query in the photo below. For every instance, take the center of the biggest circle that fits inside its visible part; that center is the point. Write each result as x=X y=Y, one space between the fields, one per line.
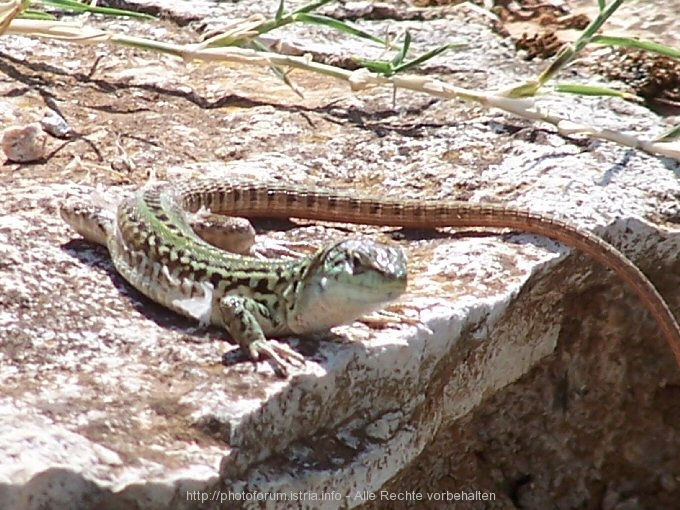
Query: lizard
x=160 y=247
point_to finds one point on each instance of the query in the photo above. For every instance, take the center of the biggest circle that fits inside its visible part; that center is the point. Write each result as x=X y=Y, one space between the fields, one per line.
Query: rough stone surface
x=536 y=375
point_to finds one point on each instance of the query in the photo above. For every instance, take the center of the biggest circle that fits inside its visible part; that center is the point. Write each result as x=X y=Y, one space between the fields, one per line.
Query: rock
x=24 y=144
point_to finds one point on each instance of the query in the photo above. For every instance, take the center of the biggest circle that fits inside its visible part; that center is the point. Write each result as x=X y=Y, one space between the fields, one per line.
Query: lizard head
x=344 y=281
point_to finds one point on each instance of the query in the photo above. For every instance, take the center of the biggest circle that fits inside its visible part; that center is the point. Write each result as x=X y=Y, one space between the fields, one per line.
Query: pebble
x=23 y=144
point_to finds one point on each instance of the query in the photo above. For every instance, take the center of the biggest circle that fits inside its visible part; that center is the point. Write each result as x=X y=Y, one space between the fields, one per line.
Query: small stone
x=23 y=144
x=56 y=125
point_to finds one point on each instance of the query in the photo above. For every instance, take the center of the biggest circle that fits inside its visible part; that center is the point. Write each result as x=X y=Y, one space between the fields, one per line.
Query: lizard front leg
x=239 y=316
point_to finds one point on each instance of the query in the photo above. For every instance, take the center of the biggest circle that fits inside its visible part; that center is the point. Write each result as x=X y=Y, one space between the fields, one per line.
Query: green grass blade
x=670 y=135
x=317 y=19
x=282 y=19
x=428 y=56
x=33 y=14
x=595 y=25
x=592 y=90
x=279 y=12
x=375 y=66
x=312 y=6
x=387 y=68
x=399 y=57
x=640 y=44
x=280 y=73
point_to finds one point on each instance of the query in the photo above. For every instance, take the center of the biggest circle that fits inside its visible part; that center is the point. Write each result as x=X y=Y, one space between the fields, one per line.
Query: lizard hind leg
x=235 y=235
x=95 y=224
x=91 y=213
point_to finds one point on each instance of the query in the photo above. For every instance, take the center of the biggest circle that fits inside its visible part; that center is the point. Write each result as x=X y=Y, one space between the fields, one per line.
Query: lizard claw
x=281 y=355
x=394 y=316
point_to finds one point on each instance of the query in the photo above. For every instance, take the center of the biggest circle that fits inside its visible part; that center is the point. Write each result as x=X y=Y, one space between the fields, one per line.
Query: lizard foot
x=394 y=315
x=281 y=355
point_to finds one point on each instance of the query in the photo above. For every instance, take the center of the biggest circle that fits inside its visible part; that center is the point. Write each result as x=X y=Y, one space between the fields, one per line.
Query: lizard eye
x=357 y=263
x=339 y=263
